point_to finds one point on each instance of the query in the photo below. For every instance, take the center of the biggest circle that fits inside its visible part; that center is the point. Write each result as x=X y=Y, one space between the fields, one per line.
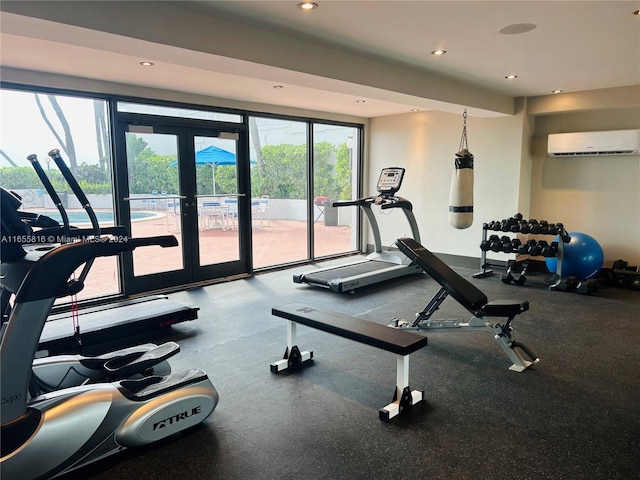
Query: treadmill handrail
x=386 y=201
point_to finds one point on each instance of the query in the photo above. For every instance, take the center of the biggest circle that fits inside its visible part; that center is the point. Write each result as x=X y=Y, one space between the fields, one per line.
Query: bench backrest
x=468 y=295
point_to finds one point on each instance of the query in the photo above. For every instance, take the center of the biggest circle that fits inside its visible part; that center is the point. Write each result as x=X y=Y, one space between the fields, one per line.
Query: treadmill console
x=390 y=180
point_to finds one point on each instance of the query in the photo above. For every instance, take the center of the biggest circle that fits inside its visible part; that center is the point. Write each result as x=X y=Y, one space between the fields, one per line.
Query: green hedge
x=284 y=174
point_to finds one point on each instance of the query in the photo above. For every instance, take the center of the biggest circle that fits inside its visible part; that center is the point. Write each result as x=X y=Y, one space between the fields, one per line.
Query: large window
x=274 y=206
x=283 y=154
x=278 y=150
x=334 y=149
x=36 y=123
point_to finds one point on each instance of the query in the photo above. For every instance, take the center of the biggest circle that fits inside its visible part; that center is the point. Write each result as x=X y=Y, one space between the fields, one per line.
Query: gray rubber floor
x=575 y=415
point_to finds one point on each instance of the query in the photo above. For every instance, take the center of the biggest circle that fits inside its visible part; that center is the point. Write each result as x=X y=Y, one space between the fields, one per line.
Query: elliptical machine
x=69 y=427
x=37 y=231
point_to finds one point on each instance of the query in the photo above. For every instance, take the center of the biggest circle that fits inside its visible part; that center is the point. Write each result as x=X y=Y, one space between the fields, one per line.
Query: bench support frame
x=501 y=333
x=403 y=397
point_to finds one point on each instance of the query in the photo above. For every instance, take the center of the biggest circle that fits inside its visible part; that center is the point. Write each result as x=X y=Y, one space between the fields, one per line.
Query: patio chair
x=260 y=209
x=212 y=215
x=232 y=211
x=173 y=210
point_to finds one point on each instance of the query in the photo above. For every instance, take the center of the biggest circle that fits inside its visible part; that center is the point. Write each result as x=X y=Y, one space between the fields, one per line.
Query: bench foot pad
x=291 y=359
x=400 y=405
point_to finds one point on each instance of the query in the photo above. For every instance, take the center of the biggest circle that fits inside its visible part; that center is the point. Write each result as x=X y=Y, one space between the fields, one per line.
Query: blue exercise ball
x=582 y=257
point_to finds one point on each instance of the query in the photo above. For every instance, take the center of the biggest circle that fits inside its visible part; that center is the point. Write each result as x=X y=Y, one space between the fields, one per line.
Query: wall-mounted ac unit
x=614 y=142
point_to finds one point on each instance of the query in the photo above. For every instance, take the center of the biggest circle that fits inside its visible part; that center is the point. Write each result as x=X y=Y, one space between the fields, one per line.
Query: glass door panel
x=217 y=199
x=154 y=199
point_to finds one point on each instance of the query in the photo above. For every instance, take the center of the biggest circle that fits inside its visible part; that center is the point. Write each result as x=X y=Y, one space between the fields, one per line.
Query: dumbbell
x=495 y=244
x=553 y=229
x=507 y=276
x=485 y=245
x=525 y=247
x=506 y=244
x=516 y=223
x=515 y=245
x=564 y=235
x=551 y=250
x=544 y=227
x=546 y=250
x=521 y=277
x=525 y=227
x=519 y=226
x=585 y=287
x=619 y=265
x=566 y=284
x=535 y=249
x=534 y=227
x=620 y=280
x=507 y=223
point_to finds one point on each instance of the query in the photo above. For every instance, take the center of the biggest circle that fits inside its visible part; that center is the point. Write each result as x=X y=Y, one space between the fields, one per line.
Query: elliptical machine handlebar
x=75 y=187
x=33 y=158
x=48 y=277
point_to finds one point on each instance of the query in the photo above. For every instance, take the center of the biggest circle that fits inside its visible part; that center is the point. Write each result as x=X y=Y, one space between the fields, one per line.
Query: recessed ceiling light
x=360 y=101
x=278 y=86
x=438 y=52
x=557 y=91
x=415 y=109
x=308 y=5
x=517 y=28
x=511 y=77
x=147 y=64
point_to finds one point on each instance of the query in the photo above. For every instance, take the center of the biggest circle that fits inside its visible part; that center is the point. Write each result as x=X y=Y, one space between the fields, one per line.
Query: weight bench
x=380 y=336
x=469 y=297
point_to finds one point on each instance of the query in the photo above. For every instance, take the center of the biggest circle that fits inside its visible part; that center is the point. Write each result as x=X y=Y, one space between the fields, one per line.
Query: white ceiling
x=576 y=46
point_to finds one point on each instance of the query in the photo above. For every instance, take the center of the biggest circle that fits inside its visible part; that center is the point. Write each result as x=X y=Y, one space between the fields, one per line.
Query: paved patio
x=274 y=242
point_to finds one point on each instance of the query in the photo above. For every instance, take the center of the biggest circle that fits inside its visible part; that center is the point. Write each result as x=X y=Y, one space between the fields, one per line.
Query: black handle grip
x=33 y=158
x=75 y=187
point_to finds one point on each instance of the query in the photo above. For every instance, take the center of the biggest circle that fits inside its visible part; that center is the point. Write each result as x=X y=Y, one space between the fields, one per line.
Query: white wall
x=599 y=196
x=425 y=144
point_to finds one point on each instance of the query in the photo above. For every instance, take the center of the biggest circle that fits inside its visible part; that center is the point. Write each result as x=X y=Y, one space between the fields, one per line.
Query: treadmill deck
x=114 y=321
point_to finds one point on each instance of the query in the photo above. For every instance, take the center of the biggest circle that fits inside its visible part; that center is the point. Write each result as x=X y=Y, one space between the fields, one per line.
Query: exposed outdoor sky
x=23 y=131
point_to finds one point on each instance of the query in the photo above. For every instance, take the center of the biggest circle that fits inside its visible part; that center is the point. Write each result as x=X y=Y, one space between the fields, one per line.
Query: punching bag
x=461 y=194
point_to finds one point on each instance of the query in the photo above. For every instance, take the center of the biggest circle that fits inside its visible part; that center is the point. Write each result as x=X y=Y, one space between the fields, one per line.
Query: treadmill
x=381 y=265
x=98 y=325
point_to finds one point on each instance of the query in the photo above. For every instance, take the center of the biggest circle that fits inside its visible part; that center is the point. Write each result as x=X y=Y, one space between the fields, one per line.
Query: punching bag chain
x=463 y=139
x=461 y=194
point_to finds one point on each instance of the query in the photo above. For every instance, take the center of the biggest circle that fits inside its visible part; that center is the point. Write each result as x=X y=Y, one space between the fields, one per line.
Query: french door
x=190 y=182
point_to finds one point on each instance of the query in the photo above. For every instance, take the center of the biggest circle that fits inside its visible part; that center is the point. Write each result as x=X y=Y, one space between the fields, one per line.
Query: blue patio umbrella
x=213 y=156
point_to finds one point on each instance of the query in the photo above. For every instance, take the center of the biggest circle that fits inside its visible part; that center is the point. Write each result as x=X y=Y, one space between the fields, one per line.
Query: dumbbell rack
x=517 y=224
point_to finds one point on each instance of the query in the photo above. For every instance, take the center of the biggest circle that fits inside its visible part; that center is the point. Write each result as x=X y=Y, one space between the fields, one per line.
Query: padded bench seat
x=503 y=308
x=353 y=328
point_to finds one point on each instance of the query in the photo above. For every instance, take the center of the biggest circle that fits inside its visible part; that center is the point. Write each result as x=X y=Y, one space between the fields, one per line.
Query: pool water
x=80 y=216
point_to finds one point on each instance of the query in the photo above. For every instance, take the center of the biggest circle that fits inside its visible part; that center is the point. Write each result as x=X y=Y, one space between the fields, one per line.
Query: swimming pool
x=77 y=217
